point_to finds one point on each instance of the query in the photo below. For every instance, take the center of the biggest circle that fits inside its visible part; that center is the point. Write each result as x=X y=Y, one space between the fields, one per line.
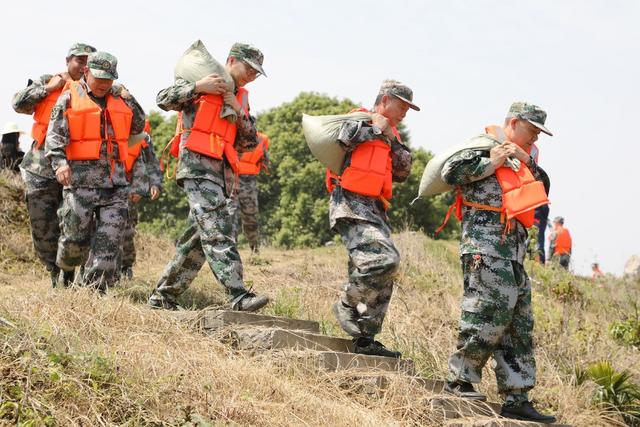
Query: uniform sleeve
x=246 y=137
x=25 y=100
x=466 y=167
x=137 y=121
x=139 y=179
x=152 y=165
x=177 y=97
x=401 y=161
x=58 y=133
x=354 y=132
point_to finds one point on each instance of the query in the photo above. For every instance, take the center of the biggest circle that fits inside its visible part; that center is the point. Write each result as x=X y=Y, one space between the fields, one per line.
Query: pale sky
x=465 y=60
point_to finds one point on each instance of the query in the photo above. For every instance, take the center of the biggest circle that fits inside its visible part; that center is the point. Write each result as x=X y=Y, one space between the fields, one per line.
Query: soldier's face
x=394 y=109
x=241 y=72
x=99 y=87
x=523 y=133
x=75 y=66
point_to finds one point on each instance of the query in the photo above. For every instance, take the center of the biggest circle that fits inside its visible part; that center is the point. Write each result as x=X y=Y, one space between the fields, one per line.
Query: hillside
x=69 y=357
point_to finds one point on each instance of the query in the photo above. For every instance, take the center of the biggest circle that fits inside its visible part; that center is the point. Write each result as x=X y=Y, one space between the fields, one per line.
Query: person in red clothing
x=560 y=243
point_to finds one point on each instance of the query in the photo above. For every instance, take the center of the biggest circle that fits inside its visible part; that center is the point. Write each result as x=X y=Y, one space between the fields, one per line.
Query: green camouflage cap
x=80 y=49
x=103 y=65
x=400 y=91
x=249 y=54
x=531 y=113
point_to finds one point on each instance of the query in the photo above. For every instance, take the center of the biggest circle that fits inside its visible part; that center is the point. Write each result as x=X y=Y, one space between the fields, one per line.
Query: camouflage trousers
x=80 y=236
x=208 y=237
x=44 y=197
x=373 y=261
x=244 y=207
x=128 y=251
x=496 y=320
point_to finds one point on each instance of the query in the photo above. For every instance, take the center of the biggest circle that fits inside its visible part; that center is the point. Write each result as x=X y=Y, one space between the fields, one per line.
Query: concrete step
x=331 y=361
x=211 y=320
x=496 y=422
x=276 y=338
x=454 y=407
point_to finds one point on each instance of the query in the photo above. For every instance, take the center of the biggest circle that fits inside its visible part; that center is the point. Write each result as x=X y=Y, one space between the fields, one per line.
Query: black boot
x=249 y=302
x=368 y=346
x=464 y=390
x=526 y=412
x=159 y=302
x=55 y=275
x=68 y=277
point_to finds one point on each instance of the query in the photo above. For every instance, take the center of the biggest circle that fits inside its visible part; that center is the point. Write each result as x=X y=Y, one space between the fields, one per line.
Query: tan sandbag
x=321 y=134
x=195 y=63
x=431 y=182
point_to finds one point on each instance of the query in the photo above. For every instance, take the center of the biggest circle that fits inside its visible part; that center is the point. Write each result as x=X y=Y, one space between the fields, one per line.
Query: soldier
x=10 y=154
x=360 y=197
x=246 y=200
x=208 y=147
x=496 y=318
x=146 y=182
x=87 y=145
x=560 y=243
x=44 y=193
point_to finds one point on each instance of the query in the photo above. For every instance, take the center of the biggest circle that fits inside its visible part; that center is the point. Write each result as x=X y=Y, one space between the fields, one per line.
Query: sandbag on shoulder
x=321 y=134
x=195 y=63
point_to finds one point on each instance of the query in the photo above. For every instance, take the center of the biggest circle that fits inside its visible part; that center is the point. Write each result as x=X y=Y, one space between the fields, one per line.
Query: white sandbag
x=321 y=134
x=195 y=63
x=431 y=182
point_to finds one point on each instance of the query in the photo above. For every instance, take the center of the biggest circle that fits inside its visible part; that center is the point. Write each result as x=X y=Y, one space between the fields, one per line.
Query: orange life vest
x=85 y=125
x=370 y=172
x=211 y=135
x=41 y=117
x=133 y=151
x=563 y=241
x=251 y=161
x=521 y=195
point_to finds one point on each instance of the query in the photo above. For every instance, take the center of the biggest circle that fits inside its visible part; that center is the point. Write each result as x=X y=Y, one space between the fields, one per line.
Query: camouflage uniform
x=98 y=187
x=496 y=318
x=147 y=174
x=244 y=207
x=207 y=183
x=364 y=227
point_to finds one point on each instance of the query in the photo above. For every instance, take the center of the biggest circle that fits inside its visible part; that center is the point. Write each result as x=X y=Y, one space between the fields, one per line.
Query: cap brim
x=101 y=74
x=79 y=53
x=256 y=67
x=411 y=104
x=541 y=127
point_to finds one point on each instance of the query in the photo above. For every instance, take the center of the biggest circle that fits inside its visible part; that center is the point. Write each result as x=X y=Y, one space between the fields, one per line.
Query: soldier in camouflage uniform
x=364 y=227
x=497 y=318
x=207 y=183
x=244 y=204
x=44 y=193
x=92 y=187
x=146 y=181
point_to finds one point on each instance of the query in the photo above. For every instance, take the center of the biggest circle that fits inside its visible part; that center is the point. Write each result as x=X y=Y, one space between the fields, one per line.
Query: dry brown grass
x=81 y=359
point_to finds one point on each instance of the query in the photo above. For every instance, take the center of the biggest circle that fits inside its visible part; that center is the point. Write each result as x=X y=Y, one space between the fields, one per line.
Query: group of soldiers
x=83 y=169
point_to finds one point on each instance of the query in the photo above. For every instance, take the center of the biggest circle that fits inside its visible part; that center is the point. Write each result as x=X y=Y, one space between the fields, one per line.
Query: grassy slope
x=79 y=359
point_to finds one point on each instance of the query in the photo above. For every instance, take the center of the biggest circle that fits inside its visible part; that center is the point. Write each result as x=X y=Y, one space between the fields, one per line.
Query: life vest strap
x=334 y=181
x=457 y=205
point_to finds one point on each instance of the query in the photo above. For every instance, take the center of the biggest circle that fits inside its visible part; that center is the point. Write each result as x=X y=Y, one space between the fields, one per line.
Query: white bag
x=321 y=134
x=195 y=63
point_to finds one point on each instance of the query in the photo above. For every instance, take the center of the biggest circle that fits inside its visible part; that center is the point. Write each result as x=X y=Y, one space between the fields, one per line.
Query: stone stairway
x=302 y=340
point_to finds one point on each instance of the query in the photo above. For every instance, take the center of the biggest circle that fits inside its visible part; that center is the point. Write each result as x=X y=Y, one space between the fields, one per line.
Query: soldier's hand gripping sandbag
x=196 y=63
x=321 y=134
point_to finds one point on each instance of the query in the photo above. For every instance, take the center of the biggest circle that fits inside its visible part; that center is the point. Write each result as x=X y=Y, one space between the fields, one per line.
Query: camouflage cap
x=400 y=91
x=249 y=54
x=103 y=65
x=531 y=113
x=80 y=49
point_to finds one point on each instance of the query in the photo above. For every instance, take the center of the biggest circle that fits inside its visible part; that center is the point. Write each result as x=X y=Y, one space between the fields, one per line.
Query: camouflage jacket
x=344 y=203
x=148 y=173
x=482 y=231
x=24 y=102
x=101 y=173
x=181 y=97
